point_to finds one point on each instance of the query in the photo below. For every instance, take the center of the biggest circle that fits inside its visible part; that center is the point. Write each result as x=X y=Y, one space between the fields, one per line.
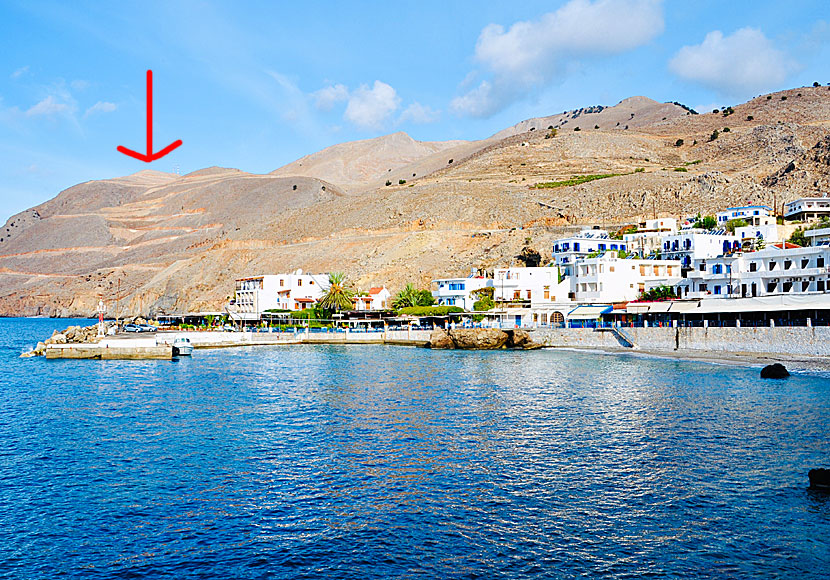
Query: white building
x=751 y=214
x=807 y=209
x=768 y=272
x=568 y=251
x=459 y=291
x=531 y=297
x=767 y=232
x=378 y=298
x=648 y=238
x=690 y=245
x=608 y=279
x=254 y=295
x=818 y=237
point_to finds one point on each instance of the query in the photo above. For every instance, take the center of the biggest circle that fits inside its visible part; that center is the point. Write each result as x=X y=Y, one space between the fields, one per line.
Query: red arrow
x=150 y=156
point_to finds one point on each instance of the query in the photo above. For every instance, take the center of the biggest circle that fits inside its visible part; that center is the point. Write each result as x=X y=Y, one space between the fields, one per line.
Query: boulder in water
x=819 y=479
x=479 y=338
x=440 y=339
x=774 y=371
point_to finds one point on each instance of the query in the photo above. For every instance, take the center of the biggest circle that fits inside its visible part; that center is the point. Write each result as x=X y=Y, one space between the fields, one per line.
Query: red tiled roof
x=304 y=300
x=375 y=290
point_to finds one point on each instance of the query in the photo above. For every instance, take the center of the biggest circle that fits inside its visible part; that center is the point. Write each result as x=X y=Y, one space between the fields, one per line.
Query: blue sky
x=255 y=85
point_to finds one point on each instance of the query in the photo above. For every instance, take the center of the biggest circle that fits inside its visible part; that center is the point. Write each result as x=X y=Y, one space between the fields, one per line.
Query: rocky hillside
x=161 y=243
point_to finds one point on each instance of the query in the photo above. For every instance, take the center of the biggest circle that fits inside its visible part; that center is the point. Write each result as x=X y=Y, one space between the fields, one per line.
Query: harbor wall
x=793 y=340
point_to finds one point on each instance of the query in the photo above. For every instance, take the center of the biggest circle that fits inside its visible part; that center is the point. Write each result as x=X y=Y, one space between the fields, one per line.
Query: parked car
x=147 y=328
x=132 y=328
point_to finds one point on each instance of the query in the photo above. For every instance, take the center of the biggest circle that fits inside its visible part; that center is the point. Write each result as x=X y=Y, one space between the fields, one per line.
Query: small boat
x=182 y=346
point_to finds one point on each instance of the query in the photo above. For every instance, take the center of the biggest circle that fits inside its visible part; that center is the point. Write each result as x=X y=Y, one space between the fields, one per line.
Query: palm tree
x=340 y=294
x=406 y=297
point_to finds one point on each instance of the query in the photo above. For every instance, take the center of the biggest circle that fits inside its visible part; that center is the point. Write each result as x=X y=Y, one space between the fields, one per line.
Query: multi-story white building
x=378 y=298
x=256 y=294
x=808 y=209
x=568 y=251
x=607 y=279
x=690 y=245
x=751 y=214
x=459 y=291
x=772 y=271
x=531 y=296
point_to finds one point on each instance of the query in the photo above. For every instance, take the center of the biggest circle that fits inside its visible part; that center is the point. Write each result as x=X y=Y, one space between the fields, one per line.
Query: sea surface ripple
x=389 y=462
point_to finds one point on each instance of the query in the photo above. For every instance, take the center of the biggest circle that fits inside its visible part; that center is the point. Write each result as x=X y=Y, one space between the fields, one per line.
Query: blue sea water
x=390 y=462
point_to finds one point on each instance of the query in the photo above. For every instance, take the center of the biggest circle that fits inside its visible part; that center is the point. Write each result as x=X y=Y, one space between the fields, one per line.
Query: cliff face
x=157 y=242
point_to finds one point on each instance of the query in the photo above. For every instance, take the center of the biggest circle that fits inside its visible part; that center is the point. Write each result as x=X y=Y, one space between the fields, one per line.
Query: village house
x=781 y=269
x=608 y=278
x=752 y=214
x=569 y=251
x=378 y=298
x=257 y=294
x=808 y=209
x=459 y=291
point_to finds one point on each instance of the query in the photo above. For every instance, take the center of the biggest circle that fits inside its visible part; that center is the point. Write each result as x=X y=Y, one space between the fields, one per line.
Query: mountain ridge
x=175 y=243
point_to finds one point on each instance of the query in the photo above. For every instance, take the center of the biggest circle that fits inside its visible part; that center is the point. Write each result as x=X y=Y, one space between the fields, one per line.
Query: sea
x=356 y=462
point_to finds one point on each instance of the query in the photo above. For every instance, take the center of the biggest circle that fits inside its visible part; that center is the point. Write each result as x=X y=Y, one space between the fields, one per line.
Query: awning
x=685 y=306
x=659 y=307
x=765 y=304
x=589 y=312
x=638 y=308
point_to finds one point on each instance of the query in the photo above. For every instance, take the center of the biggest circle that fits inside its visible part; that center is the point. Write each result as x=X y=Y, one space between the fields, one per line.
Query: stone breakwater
x=71 y=335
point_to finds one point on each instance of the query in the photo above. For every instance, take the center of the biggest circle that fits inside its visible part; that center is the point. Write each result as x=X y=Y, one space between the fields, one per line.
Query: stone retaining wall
x=795 y=340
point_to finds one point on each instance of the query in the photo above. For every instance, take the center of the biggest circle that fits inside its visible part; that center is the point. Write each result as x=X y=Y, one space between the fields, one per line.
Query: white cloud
x=529 y=54
x=371 y=108
x=79 y=85
x=742 y=64
x=101 y=107
x=327 y=97
x=418 y=113
x=20 y=72
x=48 y=107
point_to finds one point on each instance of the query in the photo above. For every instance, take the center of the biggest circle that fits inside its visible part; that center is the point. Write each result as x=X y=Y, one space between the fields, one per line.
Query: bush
x=799 y=238
x=596 y=126
x=577 y=129
x=401 y=181
x=750 y=118
x=715 y=111
x=736 y=223
x=640 y=170
x=728 y=111
x=726 y=129
x=681 y=169
x=388 y=183
x=816 y=84
x=714 y=135
x=784 y=98
x=485 y=303
x=769 y=97
x=661 y=292
x=450 y=161
x=678 y=143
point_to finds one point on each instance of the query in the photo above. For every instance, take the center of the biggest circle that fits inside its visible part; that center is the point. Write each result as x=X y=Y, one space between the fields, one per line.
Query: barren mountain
x=161 y=243
x=357 y=164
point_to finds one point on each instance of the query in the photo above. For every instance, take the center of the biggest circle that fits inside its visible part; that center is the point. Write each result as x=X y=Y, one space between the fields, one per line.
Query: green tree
x=425 y=298
x=407 y=297
x=714 y=135
x=339 y=295
x=736 y=223
x=706 y=223
x=799 y=238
